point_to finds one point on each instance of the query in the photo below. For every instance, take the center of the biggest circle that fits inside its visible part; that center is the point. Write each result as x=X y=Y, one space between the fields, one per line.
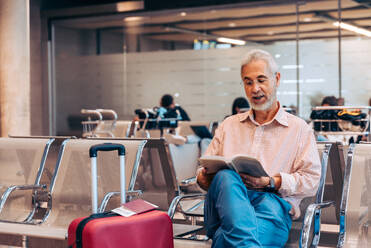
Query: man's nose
x=255 y=87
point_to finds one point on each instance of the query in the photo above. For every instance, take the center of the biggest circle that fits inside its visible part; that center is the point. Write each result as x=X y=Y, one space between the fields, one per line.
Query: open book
x=134 y=207
x=238 y=163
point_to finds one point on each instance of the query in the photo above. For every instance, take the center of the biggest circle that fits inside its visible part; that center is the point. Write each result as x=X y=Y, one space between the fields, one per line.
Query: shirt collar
x=280 y=117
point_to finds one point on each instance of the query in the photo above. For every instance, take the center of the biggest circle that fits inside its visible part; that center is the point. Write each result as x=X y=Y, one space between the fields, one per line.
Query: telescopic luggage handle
x=93 y=152
x=106 y=147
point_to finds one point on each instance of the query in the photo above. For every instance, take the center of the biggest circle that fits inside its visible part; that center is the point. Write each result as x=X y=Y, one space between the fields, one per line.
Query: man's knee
x=226 y=181
x=226 y=177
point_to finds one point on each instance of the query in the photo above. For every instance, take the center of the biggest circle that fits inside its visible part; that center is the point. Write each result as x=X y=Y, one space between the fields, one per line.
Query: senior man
x=245 y=211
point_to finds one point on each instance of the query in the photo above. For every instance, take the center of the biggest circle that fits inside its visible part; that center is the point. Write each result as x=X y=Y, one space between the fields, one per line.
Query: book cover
x=137 y=206
x=238 y=163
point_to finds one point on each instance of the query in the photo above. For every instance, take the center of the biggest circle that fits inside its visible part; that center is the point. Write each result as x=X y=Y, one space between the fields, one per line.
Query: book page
x=214 y=163
x=248 y=165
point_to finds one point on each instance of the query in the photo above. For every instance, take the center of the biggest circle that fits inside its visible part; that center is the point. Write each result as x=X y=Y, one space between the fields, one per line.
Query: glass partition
x=128 y=61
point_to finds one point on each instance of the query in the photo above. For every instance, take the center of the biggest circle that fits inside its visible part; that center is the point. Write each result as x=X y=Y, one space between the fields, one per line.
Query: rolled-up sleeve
x=304 y=178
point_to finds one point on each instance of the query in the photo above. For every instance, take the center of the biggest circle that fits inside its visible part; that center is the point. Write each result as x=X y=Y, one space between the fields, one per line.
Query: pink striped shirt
x=285 y=146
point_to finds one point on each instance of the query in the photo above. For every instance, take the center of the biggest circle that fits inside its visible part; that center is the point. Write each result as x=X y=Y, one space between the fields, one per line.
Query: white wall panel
x=207 y=81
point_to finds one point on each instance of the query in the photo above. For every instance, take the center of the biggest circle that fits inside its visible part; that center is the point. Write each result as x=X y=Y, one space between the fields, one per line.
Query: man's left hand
x=254 y=182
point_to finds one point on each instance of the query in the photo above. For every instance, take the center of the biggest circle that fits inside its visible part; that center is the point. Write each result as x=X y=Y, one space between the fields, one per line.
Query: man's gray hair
x=258 y=54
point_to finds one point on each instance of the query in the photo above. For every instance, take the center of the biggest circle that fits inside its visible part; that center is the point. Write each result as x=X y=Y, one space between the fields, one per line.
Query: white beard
x=268 y=104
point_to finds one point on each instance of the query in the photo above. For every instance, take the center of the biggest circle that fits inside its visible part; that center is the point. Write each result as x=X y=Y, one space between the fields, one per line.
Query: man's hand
x=204 y=179
x=254 y=182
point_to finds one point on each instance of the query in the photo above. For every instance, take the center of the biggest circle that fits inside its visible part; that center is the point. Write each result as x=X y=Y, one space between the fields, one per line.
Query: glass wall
x=128 y=61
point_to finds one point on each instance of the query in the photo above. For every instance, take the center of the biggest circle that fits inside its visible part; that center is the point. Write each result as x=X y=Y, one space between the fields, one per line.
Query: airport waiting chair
x=185 y=162
x=305 y=231
x=121 y=129
x=160 y=175
x=355 y=216
x=70 y=188
x=22 y=162
x=309 y=222
x=156 y=176
x=330 y=219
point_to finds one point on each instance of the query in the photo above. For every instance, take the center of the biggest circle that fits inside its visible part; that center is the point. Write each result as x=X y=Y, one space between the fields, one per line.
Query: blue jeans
x=238 y=217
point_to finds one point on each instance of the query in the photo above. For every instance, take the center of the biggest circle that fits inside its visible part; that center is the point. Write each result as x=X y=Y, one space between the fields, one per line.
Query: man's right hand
x=204 y=179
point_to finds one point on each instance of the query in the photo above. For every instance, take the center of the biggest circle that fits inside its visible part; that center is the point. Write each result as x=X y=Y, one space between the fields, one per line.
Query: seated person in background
x=169 y=109
x=240 y=105
x=245 y=211
x=325 y=115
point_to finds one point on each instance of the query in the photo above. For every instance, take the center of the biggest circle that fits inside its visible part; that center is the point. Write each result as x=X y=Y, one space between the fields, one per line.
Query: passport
x=137 y=206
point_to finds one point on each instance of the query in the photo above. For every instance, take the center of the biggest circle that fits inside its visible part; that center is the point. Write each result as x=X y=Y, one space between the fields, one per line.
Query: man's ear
x=278 y=78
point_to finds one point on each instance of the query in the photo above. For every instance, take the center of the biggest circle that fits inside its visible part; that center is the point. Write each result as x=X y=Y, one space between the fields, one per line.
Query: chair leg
x=24 y=241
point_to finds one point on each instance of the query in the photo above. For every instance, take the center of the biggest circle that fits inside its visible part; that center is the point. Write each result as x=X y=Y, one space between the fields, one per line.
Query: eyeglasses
x=259 y=80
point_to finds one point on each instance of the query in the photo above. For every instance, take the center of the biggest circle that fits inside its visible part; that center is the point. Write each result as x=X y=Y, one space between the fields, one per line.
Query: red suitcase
x=151 y=229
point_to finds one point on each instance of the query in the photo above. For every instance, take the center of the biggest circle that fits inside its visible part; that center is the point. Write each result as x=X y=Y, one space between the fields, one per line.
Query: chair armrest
x=313 y=210
x=175 y=202
x=189 y=181
x=10 y=189
x=109 y=195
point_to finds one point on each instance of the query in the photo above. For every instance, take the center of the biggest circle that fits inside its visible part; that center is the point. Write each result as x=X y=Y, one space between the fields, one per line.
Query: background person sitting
x=318 y=115
x=240 y=105
x=169 y=109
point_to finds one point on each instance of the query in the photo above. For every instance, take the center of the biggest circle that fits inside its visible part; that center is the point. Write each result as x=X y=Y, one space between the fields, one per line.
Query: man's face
x=260 y=85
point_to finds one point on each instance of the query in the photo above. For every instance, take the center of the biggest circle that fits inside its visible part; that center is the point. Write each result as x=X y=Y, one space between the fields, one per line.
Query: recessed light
x=277 y=55
x=183 y=13
x=307 y=19
x=270 y=33
x=231 y=24
x=133 y=18
x=231 y=41
x=353 y=28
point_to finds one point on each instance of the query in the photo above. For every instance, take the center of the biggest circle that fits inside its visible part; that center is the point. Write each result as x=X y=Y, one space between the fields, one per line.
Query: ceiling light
x=129 y=6
x=231 y=41
x=231 y=24
x=353 y=28
x=270 y=33
x=183 y=13
x=307 y=19
x=277 y=55
x=209 y=36
x=133 y=18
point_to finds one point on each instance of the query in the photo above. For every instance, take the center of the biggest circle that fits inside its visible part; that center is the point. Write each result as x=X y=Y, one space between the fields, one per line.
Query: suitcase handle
x=94 y=178
x=106 y=147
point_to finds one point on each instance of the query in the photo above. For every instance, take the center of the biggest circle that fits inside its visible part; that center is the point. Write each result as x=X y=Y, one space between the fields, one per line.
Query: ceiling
x=260 y=23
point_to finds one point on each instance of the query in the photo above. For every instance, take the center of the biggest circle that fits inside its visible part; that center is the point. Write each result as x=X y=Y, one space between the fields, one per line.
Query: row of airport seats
x=56 y=205
x=332 y=218
x=332 y=190
x=46 y=182
x=44 y=189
